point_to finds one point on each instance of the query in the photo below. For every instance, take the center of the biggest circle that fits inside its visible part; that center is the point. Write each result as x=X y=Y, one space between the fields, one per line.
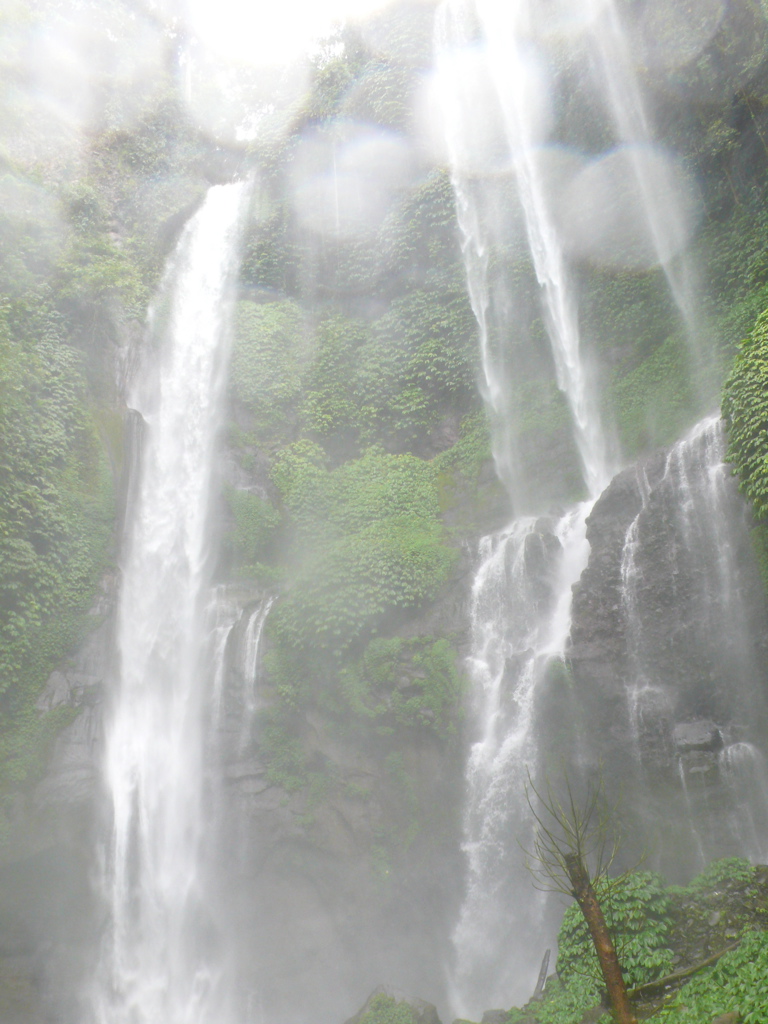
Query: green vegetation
x=722 y=874
x=652 y=404
x=419 y=366
x=406 y=681
x=255 y=523
x=745 y=408
x=84 y=230
x=661 y=929
x=355 y=407
x=739 y=981
x=638 y=912
x=369 y=537
x=55 y=520
x=384 y=1009
x=265 y=375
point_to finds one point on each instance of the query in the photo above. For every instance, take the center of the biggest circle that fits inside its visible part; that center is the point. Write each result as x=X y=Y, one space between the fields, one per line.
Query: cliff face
x=356 y=479
x=668 y=648
x=338 y=848
x=339 y=831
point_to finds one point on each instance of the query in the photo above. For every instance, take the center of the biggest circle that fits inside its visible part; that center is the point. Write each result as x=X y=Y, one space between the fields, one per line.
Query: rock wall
x=322 y=887
x=668 y=646
x=352 y=875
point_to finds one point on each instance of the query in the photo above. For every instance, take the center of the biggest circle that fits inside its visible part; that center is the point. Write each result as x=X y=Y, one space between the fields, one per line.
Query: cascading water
x=522 y=590
x=690 y=689
x=251 y=648
x=520 y=618
x=223 y=615
x=744 y=769
x=515 y=82
x=495 y=89
x=159 y=961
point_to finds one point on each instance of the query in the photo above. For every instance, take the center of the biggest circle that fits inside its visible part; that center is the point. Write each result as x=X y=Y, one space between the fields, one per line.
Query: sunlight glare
x=270 y=35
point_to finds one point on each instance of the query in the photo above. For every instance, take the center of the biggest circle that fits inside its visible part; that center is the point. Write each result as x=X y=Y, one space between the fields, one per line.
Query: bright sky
x=269 y=32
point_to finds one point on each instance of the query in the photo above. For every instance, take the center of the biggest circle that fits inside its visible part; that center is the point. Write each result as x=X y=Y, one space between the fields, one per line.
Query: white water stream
x=520 y=621
x=159 y=961
x=516 y=86
x=705 y=671
x=494 y=88
x=666 y=199
x=250 y=659
x=522 y=590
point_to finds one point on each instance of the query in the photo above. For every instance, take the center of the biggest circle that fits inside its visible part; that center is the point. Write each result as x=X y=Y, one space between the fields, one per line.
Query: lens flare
x=344 y=184
x=672 y=33
x=604 y=210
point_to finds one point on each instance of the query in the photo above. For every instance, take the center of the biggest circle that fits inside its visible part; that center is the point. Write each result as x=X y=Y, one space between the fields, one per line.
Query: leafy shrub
x=654 y=402
x=269 y=257
x=265 y=374
x=411 y=681
x=745 y=408
x=424 y=243
x=381 y=95
x=564 y=1004
x=418 y=365
x=330 y=407
x=55 y=517
x=353 y=580
x=739 y=981
x=384 y=1009
x=255 y=523
x=637 y=912
x=729 y=872
x=368 y=537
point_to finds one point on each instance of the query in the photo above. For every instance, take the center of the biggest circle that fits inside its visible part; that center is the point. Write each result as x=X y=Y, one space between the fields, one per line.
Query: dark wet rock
x=73 y=773
x=598 y=643
x=666 y=652
x=708 y=921
x=701 y=735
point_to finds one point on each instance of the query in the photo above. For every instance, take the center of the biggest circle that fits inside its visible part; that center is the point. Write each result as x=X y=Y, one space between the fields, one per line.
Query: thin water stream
x=666 y=198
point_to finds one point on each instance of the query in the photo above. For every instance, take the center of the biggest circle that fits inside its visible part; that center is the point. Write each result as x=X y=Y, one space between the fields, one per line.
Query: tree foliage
x=745 y=408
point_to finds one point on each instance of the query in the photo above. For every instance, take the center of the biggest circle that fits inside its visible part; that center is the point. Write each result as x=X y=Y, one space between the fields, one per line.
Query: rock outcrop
x=668 y=646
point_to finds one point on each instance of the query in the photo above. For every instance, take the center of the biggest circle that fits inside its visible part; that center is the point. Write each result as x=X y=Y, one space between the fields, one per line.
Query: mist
x=363 y=473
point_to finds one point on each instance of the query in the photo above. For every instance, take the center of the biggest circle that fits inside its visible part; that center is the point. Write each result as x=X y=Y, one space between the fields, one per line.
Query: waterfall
x=495 y=90
x=690 y=693
x=222 y=616
x=746 y=775
x=666 y=199
x=520 y=616
x=522 y=589
x=250 y=656
x=514 y=82
x=159 y=961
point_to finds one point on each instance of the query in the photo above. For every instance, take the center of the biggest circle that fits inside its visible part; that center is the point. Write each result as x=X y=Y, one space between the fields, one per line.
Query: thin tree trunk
x=598 y=929
x=538 y=992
